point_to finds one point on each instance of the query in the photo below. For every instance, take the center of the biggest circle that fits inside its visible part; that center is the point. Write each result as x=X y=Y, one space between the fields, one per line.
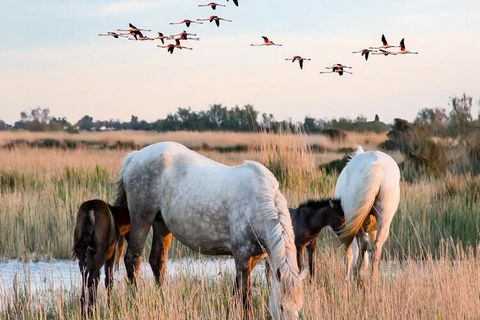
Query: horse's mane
x=353 y=154
x=280 y=238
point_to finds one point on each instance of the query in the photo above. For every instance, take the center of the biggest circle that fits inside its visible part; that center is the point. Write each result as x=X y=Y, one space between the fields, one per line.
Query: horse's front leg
x=300 y=256
x=311 y=247
x=162 y=240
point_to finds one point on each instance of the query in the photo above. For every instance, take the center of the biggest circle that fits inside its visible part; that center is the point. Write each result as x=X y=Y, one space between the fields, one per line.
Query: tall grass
x=40 y=191
x=413 y=289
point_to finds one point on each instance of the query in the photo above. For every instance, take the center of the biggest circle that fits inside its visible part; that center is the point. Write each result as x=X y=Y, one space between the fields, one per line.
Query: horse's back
x=357 y=177
x=364 y=164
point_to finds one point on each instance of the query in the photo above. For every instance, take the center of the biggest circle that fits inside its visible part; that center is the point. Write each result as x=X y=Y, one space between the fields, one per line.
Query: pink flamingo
x=187 y=22
x=217 y=20
x=113 y=34
x=235 y=1
x=299 y=59
x=365 y=53
x=266 y=42
x=403 y=50
x=212 y=5
x=384 y=52
x=385 y=44
x=171 y=47
x=184 y=35
x=337 y=68
x=162 y=37
x=134 y=31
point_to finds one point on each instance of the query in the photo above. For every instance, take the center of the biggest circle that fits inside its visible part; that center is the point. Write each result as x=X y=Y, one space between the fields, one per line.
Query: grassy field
x=433 y=244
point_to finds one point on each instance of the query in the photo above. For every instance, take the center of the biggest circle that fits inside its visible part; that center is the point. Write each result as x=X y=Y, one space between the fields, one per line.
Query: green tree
x=461 y=120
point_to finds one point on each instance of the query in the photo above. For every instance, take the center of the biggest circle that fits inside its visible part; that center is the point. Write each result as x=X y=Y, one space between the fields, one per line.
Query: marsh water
x=64 y=275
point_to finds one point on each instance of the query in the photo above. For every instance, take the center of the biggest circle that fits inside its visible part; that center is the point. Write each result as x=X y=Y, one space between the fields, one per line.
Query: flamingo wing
x=384 y=40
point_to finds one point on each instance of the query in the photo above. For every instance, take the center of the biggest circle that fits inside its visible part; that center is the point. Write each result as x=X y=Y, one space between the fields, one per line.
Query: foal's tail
x=364 y=197
x=83 y=234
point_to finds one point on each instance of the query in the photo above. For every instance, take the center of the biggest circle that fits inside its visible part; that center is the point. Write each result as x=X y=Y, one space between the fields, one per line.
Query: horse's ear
x=332 y=203
x=279 y=275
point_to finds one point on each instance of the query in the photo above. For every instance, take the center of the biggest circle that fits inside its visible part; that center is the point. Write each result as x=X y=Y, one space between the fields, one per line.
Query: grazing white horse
x=369 y=190
x=213 y=209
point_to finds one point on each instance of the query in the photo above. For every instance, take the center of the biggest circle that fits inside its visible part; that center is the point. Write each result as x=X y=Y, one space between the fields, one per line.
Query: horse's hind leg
x=136 y=242
x=242 y=283
x=351 y=255
x=83 y=271
x=109 y=275
x=384 y=209
x=162 y=239
x=93 y=278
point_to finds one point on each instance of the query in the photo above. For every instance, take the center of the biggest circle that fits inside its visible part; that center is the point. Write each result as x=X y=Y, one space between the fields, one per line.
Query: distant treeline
x=216 y=118
x=434 y=121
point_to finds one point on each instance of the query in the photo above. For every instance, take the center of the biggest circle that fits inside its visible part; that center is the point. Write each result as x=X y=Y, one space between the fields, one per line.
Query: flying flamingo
x=403 y=50
x=141 y=37
x=384 y=52
x=385 y=44
x=235 y=1
x=337 y=68
x=161 y=37
x=299 y=59
x=171 y=47
x=216 y=19
x=212 y=5
x=266 y=42
x=112 y=34
x=187 y=22
x=184 y=35
x=365 y=52
x=134 y=31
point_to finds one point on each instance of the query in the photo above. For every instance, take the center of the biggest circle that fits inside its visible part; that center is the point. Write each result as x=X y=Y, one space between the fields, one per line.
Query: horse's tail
x=120 y=248
x=120 y=194
x=280 y=239
x=83 y=234
x=369 y=188
x=291 y=276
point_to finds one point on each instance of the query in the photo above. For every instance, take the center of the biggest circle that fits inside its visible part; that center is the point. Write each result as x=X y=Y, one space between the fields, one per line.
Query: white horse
x=369 y=190
x=213 y=209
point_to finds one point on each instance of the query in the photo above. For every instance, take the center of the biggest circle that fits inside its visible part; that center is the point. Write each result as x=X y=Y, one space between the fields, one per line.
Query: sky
x=51 y=56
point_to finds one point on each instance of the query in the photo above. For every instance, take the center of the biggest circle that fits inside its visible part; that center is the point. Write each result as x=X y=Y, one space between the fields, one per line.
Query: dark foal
x=98 y=240
x=308 y=220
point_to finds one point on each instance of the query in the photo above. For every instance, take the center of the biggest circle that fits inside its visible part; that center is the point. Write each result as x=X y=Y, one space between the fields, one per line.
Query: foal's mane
x=318 y=204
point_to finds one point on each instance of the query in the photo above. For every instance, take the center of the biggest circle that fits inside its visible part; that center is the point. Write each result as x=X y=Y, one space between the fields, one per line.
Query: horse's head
x=286 y=296
x=336 y=217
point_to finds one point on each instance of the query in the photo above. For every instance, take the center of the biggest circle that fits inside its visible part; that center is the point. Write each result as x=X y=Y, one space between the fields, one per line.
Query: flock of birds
x=136 y=34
